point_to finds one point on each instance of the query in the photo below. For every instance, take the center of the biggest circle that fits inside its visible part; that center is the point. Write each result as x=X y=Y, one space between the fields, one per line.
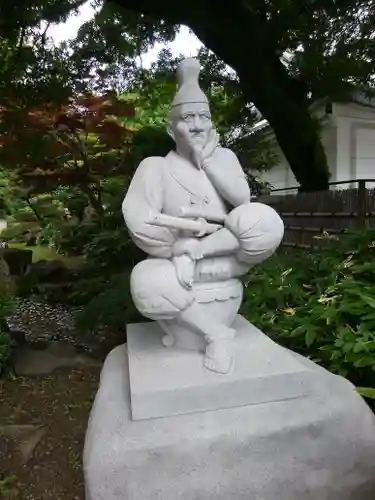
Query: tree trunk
x=34 y=210
x=296 y=132
x=281 y=99
x=243 y=38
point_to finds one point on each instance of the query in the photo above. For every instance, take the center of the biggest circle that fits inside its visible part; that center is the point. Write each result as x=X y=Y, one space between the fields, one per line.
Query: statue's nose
x=196 y=126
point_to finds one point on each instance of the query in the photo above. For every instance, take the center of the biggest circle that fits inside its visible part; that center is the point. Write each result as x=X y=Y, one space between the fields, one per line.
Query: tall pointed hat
x=189 y=90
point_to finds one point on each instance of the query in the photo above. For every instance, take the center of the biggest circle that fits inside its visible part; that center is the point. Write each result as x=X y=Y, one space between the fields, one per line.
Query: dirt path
x=59 y=404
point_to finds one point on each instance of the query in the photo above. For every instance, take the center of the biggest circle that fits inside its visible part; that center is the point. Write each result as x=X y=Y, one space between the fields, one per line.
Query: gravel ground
x=43 y=322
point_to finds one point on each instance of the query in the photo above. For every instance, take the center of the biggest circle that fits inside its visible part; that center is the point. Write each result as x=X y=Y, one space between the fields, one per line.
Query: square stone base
x=166 y=382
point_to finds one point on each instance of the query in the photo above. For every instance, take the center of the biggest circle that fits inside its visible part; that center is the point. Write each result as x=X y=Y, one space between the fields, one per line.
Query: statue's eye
x=187 y=117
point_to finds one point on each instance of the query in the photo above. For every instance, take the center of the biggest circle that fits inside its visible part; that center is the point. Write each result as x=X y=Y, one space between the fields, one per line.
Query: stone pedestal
x=166 y=382
x=289 y=431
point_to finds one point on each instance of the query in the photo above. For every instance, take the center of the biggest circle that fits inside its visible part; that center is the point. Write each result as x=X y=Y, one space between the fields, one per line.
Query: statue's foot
x=168 y=340
x=219 y=356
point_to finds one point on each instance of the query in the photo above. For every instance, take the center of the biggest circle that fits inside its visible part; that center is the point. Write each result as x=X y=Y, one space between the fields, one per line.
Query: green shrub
x=321 y=305
x=112 y=249
x=64 y=237
x=6 y=350
x=8 y=487
x=107 y=253
x=112 y=307
x=103 y=241
x=50 y=234
x=6 y=308
x=86 y=287
x=21 y=232
x=103 y=283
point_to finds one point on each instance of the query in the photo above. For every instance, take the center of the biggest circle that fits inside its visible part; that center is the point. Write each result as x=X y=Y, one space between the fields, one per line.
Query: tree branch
x=169 y=10
x=243 y=39
x=240 y=36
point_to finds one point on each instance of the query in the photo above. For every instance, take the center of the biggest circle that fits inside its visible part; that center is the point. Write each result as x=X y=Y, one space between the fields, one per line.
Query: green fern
x=8 y=489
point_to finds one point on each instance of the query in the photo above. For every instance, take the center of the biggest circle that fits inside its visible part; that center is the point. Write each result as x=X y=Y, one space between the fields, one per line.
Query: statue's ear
x=170 y=130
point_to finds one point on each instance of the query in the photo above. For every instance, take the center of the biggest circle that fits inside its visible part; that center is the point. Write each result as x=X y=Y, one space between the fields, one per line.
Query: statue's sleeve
x=228 y=177
x=143 y=201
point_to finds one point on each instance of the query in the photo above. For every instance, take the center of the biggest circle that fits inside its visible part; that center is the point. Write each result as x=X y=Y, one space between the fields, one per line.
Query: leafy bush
x=112 y=307
x=21 y=232
x=103 y=242
x=50 y=234
x=107 y=252
x=102 y=286
x=112 y=249
x=6 y=307
x=110 y=256
x=321 y=304
x=65 y=237
x=6 y=349
x=8 y=487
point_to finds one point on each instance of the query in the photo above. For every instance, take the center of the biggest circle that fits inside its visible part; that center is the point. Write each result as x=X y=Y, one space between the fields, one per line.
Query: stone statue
x=166 y=426
x=190 y=211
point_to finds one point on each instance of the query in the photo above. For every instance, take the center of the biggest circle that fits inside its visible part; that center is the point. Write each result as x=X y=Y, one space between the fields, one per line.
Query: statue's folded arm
x=143 y=202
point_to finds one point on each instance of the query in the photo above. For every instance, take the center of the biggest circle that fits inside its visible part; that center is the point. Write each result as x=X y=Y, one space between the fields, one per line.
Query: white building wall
x=364 y=154
x=343 y=169
x=348 y=138
x=281 y=176
x=356 y=147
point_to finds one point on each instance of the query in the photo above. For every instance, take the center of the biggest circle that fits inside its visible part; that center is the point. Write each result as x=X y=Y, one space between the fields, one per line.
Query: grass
x=46 y=253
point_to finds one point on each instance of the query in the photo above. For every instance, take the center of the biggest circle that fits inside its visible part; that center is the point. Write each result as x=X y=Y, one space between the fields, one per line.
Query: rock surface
x=17 y=259
x=25 y=437
x=320 y=447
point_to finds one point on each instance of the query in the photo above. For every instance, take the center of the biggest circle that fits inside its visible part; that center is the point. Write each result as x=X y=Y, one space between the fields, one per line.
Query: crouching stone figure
x=190 y=211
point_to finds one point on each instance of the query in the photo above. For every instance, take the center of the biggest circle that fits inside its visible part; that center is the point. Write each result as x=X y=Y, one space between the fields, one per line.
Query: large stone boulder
x=18 y=260
x=46 y=271
x=6 y=282
x=6 y=292
x=319 y=445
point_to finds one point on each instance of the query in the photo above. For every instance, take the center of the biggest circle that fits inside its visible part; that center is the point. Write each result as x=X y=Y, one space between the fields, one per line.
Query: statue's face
x=191 y=126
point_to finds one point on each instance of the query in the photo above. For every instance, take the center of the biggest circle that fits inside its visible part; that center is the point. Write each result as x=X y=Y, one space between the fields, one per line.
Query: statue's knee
x=269 y=223
x=147 y=282
x=155 y=289
x=259 y=229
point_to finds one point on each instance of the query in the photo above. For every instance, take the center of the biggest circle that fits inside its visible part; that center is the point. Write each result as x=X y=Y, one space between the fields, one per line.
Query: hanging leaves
x=81 y=143
x=65 y=144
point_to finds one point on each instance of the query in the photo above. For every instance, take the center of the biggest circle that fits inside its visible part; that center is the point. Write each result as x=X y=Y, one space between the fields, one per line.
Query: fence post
x=361 y=198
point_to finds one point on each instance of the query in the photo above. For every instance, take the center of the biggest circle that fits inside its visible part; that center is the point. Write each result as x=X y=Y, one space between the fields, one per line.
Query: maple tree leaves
x=79 y=143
